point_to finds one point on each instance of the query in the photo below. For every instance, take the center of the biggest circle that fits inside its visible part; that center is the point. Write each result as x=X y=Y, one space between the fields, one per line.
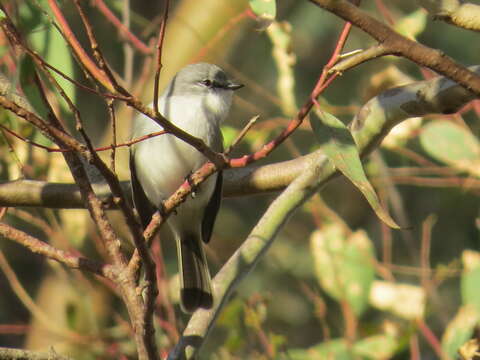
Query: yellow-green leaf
x=344 y=265
x=452 y=144
x=413 y=24
x=339 y=146
x=459 y=330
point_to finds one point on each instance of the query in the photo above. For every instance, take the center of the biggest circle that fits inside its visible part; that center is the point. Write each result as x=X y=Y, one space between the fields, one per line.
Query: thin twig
x=13 y=153
x=67 y=258
x=242 y=134
x=127 y=47
x=113 y=122
x=123 y=29
x=159 y=47
x=77 y=48
x=103 y=148
x=97 y=53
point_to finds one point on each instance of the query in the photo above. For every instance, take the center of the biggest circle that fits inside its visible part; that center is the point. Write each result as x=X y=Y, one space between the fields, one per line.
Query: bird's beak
x=234 y=86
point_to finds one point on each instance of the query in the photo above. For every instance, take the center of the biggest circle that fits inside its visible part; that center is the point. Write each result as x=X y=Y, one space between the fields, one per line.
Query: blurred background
x=292 y=305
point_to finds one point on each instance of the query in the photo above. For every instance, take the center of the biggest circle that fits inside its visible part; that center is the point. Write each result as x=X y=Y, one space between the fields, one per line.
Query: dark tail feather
x=196 y=291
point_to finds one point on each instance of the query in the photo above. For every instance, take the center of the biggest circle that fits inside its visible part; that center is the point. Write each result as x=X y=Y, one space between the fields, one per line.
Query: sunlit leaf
x=376 y=347
x=404 y=300
x=413 y=24
x=338 y=144
x=470 y=349
x=334 y=349
x=344 y=265
x=471 y=279
x=452 y=144
x=460 y=329
x=371 y=348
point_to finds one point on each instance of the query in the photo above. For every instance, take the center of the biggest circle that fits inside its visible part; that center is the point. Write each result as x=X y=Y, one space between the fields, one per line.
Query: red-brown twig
x=70 y=38
x=384 y=11
x=67 y=258
x=102 y=148
x=97 y=53
x=431 y=338
x=399 y=45
x=124 y=32
x=159 y=47
x=221 y=34
x=322 y=83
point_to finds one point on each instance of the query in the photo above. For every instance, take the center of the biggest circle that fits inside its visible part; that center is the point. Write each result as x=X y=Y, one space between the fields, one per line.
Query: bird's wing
x=211 y=210
x=144 y=207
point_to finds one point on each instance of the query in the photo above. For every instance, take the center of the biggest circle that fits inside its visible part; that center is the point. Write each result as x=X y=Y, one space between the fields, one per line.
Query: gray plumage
x=197 y=100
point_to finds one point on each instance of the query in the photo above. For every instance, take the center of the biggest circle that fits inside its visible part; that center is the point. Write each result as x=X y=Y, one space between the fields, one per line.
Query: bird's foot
x=194 y=187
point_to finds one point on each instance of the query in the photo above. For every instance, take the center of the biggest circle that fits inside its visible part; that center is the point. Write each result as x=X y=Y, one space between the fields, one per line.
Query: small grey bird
x=197 y=100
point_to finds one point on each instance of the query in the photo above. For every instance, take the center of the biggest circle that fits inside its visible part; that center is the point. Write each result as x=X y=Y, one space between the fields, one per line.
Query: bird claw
x=194 y=188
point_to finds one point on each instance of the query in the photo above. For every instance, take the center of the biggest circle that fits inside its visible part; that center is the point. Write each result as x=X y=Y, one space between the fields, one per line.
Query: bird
x=197 y=100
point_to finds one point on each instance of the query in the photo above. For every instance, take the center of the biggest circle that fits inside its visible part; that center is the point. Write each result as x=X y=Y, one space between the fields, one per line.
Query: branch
x=67 y=258
x=252 y=249
x=435 y=96
x=124 y=31
x=368 y=129
x=401 y=46
x=78 y=50
x=140 y=313
x=17 y=354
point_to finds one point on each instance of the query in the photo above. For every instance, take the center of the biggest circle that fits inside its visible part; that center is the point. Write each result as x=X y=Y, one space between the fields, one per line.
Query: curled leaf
x=338 y=144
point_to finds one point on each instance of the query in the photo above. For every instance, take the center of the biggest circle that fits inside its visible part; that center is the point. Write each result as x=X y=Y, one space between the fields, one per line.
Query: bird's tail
x=196 y=290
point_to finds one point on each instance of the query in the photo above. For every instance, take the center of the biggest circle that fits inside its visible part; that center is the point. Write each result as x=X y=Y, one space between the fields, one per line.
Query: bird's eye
x=207 y=83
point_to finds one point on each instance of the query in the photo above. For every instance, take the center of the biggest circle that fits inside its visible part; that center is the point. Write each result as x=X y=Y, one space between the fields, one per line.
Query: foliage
x=339 y=282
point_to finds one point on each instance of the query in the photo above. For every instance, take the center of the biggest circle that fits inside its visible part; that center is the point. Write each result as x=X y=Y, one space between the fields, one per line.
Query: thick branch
x=368 y=129
x=401 y=46
x=247 y=256
x=375 y=119
x=18 y=354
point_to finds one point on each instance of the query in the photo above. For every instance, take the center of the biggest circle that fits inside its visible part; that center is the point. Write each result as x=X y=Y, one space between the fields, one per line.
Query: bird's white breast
x=162 y=163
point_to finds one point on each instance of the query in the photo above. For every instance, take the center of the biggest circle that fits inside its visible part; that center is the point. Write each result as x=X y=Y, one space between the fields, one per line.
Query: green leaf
x=376 y=347
x=339 y=146
x=47 y=41
x=344 y=265
x=334 y=349
x=229 y=134
x=372 y=348
x=413 y=24
x=452 y=144
x=471 y=279
x=27 y=73
x=265 y=11
x=460 y=330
